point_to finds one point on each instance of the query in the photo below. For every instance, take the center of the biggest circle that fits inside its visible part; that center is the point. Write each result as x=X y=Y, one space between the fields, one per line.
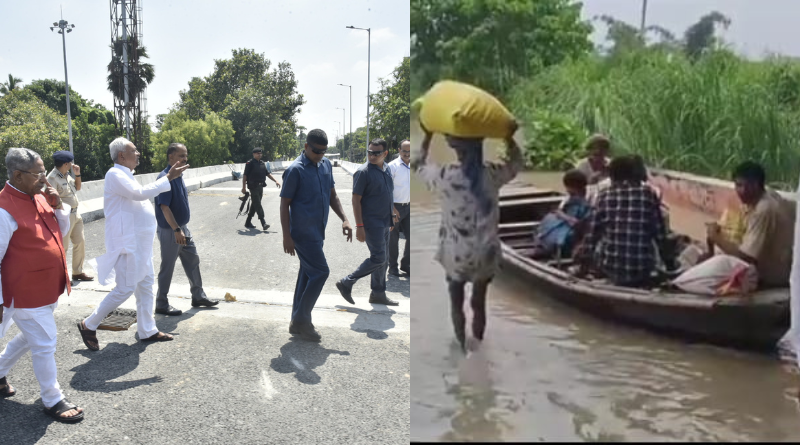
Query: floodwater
x=546 y=372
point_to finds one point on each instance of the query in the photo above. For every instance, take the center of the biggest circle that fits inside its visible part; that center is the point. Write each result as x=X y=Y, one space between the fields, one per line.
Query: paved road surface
x=233 y=373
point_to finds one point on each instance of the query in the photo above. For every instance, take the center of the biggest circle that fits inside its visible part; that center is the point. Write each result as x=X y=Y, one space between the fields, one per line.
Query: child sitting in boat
x=561 y=230
x=595 y=164
x=469 y=246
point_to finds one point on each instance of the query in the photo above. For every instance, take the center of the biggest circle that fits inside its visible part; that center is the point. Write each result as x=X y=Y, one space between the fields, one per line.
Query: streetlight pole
x=343 y=121
x=369 y=33
x=62 y=26
x=351 y=109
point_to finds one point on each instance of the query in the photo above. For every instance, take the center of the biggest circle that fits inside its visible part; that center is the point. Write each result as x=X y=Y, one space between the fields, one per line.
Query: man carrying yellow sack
x=469 y=246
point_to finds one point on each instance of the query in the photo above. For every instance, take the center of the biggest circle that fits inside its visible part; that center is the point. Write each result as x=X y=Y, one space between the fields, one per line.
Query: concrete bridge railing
x=91 y=192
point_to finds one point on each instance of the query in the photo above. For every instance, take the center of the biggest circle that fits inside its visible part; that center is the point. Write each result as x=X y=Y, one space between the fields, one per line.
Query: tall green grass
x=702 y=117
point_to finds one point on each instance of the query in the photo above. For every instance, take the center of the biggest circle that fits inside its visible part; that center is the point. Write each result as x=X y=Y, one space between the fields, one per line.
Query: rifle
x=245 y=200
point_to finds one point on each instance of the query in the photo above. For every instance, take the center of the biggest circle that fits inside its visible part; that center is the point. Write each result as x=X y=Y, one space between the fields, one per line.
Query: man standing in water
x=469 y=246
x=306 y=196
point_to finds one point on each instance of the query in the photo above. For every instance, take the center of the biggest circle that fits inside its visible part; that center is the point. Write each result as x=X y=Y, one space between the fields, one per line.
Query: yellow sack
x=459 y=109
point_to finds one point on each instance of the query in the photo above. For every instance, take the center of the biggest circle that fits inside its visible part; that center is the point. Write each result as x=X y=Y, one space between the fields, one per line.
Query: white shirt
x=794 y=286
x=130 y=224
x=401 y=175
x=8 y=225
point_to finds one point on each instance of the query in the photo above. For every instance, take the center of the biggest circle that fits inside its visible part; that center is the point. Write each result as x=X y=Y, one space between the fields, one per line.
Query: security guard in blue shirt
x=306 y=196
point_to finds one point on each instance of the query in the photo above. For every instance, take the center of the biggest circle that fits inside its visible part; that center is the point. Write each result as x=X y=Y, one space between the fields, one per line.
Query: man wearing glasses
x=130 y=232
x=66 y=179
x=401 y=176
x=34 y=275
x=373 y=191
x=306 y=196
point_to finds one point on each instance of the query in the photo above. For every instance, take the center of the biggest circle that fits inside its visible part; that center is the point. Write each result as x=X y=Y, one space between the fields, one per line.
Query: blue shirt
x=177 y=199
x=376 y=187
x=309 y=186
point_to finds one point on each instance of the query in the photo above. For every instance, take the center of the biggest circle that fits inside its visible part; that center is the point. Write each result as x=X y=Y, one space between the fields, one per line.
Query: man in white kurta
x=130 y=231
x=793 y=345
x=37 y=325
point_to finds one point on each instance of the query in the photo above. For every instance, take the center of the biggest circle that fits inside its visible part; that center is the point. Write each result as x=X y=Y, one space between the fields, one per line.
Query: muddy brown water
x=549 y=372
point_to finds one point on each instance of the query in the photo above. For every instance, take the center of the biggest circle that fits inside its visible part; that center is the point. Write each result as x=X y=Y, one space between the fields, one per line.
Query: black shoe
x=264 y=225
x=394 y=271
x=383 y=299
x=345 y=291
x=204 y=302
x=305 y=331
x=249 y=225
x=168 y=311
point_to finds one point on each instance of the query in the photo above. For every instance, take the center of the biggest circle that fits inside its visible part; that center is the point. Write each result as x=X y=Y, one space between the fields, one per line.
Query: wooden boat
x=755 y=321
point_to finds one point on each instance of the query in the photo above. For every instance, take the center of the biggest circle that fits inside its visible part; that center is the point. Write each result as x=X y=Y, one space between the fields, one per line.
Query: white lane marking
x=266 y=384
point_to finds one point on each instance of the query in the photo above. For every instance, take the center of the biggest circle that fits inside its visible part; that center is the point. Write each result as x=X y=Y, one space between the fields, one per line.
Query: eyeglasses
x=375 y=153
x=319 y=151
x=40 y=175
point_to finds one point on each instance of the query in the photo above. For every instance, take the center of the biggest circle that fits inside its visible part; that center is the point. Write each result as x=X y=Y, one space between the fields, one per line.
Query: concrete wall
x=349 y=167
x=708 y=195
x=91 y=192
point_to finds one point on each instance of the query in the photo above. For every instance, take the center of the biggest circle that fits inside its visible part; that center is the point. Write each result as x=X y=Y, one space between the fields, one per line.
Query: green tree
x=92 y=125
x=145 y=72
x=12 y=84
x=699 y=37
x=391 y=106
x=492 y=43
x=25 y=121
x=207 y=140
x=262 y=104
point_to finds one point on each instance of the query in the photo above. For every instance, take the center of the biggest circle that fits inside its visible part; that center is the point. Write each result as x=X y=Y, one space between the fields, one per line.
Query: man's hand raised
x=177 y=170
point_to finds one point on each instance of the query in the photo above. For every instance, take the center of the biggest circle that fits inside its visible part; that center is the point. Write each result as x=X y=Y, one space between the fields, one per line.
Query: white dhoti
x=38 y=335
x=145 y=299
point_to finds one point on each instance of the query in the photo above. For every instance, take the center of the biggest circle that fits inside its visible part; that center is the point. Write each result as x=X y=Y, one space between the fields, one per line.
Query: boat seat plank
x=553 y=200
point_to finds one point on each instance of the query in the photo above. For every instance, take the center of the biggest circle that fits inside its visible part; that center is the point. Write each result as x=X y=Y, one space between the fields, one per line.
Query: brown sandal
x=89 y=337
x=159 y=336
x=7 y=390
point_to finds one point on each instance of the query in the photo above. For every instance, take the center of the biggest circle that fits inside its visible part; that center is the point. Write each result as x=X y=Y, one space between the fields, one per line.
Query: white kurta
x=37 y=325
x=130 y=225
x=794 y=284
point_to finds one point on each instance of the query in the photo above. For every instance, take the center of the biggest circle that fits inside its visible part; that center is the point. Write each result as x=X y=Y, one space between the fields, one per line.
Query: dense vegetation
x=688 y=103
x=245 y=102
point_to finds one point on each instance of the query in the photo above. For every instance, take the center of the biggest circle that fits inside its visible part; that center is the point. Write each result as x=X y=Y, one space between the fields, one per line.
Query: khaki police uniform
x=65 y=185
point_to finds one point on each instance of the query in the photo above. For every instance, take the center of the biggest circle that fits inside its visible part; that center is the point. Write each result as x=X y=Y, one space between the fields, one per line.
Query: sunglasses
x=319 y=151
x=375 y=153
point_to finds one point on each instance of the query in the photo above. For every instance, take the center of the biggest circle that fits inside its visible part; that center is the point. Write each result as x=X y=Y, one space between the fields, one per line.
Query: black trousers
x=394 y=238
x=256 y=192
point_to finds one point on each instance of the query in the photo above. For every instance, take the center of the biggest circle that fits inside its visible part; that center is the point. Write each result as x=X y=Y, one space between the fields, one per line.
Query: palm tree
x=12 y=84
x=143 y=73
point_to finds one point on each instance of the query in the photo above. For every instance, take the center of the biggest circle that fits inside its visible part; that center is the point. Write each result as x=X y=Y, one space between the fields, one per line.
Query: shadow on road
x=110 y=363
x=302 y=357
x=23 y=424
x=373 y=324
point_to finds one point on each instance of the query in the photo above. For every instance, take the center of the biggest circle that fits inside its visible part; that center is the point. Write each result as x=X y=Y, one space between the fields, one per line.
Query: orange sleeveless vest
x=34 y=269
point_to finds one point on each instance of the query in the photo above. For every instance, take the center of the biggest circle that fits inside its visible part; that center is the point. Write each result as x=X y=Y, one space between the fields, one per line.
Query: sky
x=757 y=26
x=183 y=38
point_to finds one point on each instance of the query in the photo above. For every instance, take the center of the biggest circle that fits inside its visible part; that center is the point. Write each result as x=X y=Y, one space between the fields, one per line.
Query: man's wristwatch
x=177 y=230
